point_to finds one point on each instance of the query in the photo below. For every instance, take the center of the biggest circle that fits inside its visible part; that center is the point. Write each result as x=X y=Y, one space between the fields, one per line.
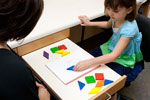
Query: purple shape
x=46 y=55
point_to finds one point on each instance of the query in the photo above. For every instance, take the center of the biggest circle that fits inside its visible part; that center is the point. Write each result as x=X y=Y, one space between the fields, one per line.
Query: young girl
x=17 y=19
x=122 y=51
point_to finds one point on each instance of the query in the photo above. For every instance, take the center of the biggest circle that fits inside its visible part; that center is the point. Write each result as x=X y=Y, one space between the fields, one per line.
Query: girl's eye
x=116 y=11
x=108 y=8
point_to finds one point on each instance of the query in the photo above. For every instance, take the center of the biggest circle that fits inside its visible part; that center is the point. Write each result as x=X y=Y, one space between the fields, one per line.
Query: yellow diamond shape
x=95 y=90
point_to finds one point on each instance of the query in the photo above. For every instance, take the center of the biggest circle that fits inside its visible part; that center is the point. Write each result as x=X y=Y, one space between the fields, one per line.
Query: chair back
x=144 y=27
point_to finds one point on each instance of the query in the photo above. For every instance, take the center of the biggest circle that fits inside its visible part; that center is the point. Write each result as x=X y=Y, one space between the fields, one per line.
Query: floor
x=140 y=88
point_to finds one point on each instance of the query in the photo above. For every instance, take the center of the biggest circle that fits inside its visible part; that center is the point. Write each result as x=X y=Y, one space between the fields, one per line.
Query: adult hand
x=42 y=92
x=85 y=20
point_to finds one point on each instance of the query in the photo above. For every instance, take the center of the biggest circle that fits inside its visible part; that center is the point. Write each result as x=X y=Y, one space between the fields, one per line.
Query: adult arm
x=42 y=92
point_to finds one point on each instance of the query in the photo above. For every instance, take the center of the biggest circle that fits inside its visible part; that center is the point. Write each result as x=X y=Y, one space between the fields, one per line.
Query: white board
x=59 y=66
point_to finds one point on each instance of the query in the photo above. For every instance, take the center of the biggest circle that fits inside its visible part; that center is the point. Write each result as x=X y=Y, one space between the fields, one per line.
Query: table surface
x=70 y=91
x=62 y=14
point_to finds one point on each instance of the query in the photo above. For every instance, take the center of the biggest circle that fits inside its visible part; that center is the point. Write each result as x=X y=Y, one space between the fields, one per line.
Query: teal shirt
x=132 y=52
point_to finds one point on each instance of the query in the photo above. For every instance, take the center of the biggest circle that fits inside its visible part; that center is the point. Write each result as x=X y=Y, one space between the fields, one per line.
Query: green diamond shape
x=54 y=49
x=90 y=79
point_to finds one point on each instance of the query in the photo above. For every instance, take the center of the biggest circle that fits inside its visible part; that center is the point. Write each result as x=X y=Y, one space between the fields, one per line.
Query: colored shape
x=65 y=53
x=90 y=79
x=54 y=49
x=95 y=90
x=70 y=68
x=81 y=85
x=99 y=76
x=100 y=83
x=107 y=82
x=46 y=55
x=60 y=51
x=62 y=47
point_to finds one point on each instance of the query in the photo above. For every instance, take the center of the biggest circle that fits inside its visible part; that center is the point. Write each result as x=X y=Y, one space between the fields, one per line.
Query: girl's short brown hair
x=18 y=18
x=114 y=4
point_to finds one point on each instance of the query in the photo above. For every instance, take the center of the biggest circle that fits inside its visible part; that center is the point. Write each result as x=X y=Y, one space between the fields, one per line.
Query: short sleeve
x=129 y=29
x=128 y=32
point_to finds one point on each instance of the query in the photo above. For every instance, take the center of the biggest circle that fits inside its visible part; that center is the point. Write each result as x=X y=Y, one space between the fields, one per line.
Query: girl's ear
x=129 y=10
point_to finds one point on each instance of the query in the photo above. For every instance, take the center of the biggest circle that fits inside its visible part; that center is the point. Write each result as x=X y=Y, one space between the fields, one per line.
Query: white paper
x=59 y=66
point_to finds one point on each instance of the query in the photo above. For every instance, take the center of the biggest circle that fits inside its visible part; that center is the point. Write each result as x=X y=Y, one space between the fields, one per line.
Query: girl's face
x=119 y=14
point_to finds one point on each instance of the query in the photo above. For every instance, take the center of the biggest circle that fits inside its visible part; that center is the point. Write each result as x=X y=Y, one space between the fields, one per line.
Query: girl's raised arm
x=102 y=24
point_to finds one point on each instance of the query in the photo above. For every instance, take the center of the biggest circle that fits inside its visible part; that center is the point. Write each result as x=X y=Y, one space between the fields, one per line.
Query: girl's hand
x=42 y=92
x=85 y=21
x=82 y=65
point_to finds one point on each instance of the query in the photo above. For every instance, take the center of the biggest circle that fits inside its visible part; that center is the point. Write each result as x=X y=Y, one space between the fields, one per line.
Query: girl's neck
x=118 y=23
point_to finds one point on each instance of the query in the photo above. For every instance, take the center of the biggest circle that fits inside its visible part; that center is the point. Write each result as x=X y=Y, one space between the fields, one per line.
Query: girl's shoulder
x=129 y=29
x=130 y=24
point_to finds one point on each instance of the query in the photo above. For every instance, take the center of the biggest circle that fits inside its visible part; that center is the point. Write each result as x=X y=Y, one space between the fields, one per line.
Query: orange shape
x=100 y=83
